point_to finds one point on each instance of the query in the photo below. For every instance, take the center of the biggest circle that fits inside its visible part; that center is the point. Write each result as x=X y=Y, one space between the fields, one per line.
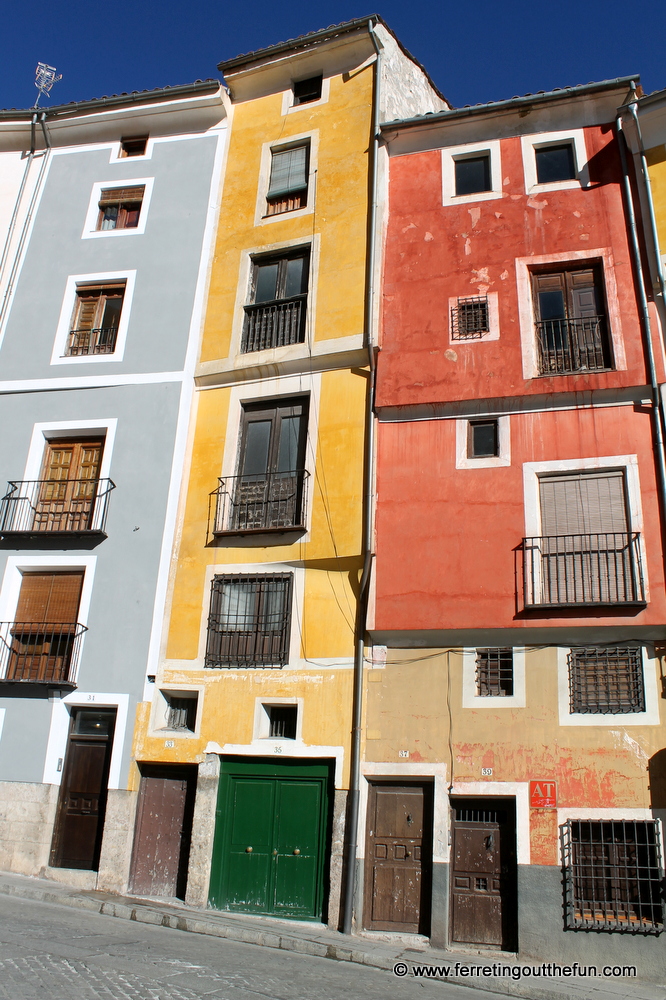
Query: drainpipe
x=351 y=826
x=657 y=408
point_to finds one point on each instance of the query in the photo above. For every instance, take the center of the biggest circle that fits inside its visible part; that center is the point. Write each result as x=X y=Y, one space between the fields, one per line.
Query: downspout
x=351 y=826
x=657 y=408
x=19 y=196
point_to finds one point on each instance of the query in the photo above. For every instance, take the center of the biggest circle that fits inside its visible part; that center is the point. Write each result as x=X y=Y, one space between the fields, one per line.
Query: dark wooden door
x=163 y=831
x=398 y=858
x=270 y=840
x=483 y=876
x=77 y=838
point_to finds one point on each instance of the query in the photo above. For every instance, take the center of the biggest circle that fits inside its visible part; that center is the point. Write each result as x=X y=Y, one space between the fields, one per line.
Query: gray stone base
x=27 y=814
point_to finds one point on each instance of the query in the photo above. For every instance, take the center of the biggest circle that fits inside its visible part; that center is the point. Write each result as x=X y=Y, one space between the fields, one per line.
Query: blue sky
x=475 y=52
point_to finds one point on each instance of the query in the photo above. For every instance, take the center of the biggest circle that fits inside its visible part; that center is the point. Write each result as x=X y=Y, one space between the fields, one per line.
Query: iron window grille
x=120 y=208
x=181 y=713
x=571 y=324
x=494 y=673
x=470 y=318
x=249 y=621
x=583 y=569
x=55 y=507
x=606 y=680
x=282 y=721
x=268 y=501
x=612 y=875
x=469 y=814
x=40 y=652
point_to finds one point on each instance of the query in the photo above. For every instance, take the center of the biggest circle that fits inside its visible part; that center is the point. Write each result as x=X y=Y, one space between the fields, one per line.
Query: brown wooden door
x=483 y=876
x=77 y=838
x=398 y=858
x=163 y=831
x=69 y=481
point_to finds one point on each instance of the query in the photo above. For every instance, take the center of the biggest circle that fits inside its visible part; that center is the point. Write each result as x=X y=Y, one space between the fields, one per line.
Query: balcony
x=270 y=501
x=101 y=340
x=274 y=324
x=569 y=571
x=55 y=507
x=40 y=652
x=567 y=346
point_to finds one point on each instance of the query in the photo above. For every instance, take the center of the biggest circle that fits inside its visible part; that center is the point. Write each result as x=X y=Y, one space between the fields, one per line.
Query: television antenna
x=45 y=77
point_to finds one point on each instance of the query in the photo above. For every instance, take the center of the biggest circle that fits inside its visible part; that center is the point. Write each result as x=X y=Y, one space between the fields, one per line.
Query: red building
x=519 y=586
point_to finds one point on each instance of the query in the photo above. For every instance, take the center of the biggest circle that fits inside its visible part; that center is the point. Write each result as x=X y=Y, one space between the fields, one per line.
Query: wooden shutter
x=116 y=196
x=49 y=597
x=583 y=503
x=289 y=172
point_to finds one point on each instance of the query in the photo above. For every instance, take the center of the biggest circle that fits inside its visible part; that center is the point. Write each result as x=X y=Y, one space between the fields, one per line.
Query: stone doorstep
x=319 y=943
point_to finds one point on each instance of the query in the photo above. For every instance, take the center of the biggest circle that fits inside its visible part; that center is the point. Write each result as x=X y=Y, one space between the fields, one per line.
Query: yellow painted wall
x=656 y=159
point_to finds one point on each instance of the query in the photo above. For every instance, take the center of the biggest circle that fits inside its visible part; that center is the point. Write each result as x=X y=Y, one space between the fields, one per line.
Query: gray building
x=107 y=217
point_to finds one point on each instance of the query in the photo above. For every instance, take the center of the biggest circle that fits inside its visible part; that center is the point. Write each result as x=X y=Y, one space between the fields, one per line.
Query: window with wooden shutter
x=45 y=634
x=68 y=485
x=134 y=146
x=288 y=186
x=276 y=313
x=249 y=621
x=50 y=597
x=571 y=326
x=95 y=319
x=119 y=208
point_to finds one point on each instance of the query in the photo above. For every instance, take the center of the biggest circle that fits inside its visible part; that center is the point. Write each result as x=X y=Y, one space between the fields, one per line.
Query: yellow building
x=243 y=753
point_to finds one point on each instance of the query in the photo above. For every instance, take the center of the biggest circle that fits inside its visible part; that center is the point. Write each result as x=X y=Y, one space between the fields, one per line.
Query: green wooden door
x=270 y=838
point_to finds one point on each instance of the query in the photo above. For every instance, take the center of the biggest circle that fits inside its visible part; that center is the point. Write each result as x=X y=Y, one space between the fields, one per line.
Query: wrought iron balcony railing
x=100 y=340
x=49 y=506
x=575 y=570
x=40 y=652
x=274 y=324
x=566 y=346
x=270 y=501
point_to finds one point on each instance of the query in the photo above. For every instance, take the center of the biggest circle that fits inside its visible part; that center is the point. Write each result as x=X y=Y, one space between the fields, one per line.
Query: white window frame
x=288 y=106
x=503 y=460
x=470 y=697
x=115 y=156
x=468 y=152
x=90 y=231
x=75 y=281
x=277 y=146
x=493 y=319
x=526 y=311
x=610 y=721
x=531 y=143
x=159 y=711
x=59 y=731
x=42 y=433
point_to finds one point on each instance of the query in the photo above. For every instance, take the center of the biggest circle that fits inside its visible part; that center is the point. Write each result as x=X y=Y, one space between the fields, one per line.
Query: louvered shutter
x=49 y=597
x=583 y=503
x=288 y=172
x=117 y=196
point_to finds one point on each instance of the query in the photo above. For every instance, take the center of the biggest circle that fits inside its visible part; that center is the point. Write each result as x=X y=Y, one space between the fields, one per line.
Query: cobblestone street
x=50 y=952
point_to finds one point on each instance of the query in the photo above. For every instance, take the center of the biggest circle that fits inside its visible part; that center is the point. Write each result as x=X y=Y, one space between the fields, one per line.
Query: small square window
x=494 y=673
x=483 y=439
x=120 y=208
x=555 y=163
x=470 y=318
x=288 y=186
x=472 y=175
x=134 y=146
x=308 y=90
x=282 y=720
x=181 y=711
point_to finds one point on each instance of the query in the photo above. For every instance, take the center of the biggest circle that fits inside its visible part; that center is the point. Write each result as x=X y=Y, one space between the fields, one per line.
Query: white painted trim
x=530 y=143
x=470 y=698
x=288 y=106
x=260 y=731
x=90 y=230
x=2 y=720
x=629 y=465
x=465 y=152
x=88 y=381
x=493 y=318
x=503 y=460
x=518 y=789
x=74 y=281
x=59 y=731
x=43 y=432
x=612 y=721
x=526 y=313
x=277 y=145
x=158 y=716
x=115 y=156
x=409 y=772
x=281 y=749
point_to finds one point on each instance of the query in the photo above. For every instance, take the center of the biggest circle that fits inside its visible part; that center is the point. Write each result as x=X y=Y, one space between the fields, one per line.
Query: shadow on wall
x=657 y=780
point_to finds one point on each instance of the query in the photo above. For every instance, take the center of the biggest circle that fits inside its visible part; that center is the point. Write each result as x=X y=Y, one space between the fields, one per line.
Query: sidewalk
x=322 y=943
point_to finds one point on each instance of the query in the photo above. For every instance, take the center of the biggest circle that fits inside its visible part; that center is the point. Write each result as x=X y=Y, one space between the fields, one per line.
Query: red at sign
x=543 y=794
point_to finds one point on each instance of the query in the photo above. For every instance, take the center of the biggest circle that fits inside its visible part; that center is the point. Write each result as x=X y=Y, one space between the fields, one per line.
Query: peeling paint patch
x=468 y=246
x=480 y=276
x=498 y=215
x=577 y=214
x=412 y=225
x=584 y=236
x=507 y=181
x=428 y=237
x=475 y=215
x=534 y=203
x=504 y=275
x=450 y=355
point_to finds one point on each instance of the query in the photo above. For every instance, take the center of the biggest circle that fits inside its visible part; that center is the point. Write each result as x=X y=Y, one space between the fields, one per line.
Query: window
x=470 y=318
x=612 y=872
x=571 y=325
x=95 y=320
x=41 y=644
x=472 y=174
x=134 y=146
x=606 y=680
x=308 y=90
x=181 y=710
x=494 y=673
x=483 y=439
x=120 y=208
x=288 y=186
x=587 y=553
x=249 y=621
x=276 y=313
x=282 y=721
x=555 y=163
x=269 y=491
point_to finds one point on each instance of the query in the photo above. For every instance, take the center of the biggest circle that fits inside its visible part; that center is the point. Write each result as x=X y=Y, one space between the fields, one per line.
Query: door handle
x=296 y=851
x=274 y=852
x=248 y=850
x=408 y=854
